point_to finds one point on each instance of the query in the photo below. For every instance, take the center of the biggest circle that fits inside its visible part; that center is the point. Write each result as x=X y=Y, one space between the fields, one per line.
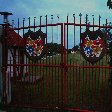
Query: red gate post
x=4 y=100
x=1 y=29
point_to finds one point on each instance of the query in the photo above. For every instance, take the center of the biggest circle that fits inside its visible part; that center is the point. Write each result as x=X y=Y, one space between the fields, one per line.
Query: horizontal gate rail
x=88 y=25
x=20 y=28
x=44 y=65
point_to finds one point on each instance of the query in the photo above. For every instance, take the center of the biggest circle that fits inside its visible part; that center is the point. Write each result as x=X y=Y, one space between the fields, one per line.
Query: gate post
x=1 y=84
x=1 y=81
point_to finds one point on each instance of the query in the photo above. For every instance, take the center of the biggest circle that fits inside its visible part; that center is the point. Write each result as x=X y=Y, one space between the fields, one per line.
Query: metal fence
x=61 y=80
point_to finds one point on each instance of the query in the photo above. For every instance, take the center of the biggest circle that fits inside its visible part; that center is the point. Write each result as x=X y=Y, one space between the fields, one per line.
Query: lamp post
x=5 y=15
x=2 y=49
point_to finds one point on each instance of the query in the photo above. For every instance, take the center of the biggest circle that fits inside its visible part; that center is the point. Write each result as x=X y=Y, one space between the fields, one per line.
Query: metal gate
x=58 y=79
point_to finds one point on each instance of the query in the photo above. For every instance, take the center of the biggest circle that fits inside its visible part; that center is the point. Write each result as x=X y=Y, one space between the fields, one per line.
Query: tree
x=108 y=34
x=75 y=48
x=54 y=48
x=109 y=3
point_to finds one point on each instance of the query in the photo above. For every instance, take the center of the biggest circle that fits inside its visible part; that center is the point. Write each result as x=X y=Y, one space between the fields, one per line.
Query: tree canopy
x=109 y=4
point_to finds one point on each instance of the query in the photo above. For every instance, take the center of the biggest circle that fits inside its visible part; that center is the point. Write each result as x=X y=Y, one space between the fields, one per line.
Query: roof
x=14 y=39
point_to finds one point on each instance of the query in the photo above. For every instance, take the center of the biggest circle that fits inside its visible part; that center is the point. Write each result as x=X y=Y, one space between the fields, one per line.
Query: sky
x=26 y=8
x=35 y=8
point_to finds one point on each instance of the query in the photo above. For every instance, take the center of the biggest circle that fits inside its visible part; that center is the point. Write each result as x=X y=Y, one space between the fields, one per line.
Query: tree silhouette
x=109 y=3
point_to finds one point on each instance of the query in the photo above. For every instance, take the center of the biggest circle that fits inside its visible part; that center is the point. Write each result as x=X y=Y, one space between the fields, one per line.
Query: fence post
x=1 y=73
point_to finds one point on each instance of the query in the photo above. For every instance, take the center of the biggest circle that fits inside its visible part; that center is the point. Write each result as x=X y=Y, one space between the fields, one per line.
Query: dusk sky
x=35 y=8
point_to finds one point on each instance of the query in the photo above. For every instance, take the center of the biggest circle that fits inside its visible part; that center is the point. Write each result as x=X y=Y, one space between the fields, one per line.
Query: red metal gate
x=58 y=80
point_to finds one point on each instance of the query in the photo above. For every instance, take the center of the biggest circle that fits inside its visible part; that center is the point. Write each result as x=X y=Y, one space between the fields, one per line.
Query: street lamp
x=5 y=15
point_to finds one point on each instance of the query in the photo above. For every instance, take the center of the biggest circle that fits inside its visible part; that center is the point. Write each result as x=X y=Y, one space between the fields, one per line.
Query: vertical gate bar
x=39 y=67
x=73 y=61
x=40 y=22
x=77 y=86
x=67 y=38
x=96 y=88
x=35 y=74
x=49 y=79
x=24 y=73
x=93 y=22
x=29 y=22
x=14 y=67
x=86 y=84
x=18 y=67
x=89 y=83
x=47 y=71
x=86 y=87
x=109 y=77
x=83 y=85
x=105 y=85
x=94 y=84
x=100 y=105
x=65 y=71
x=72 y=83
x=74 y=73
x=52 y=28
x=26 y=69
x=18 y=25
x=93 y=92
x=110 y=91
x=51 y=58
x=29 y=71
x=55 y=80
x=4 y=86
x=9 y=62
x=45 y=74
x=106 y=40
x=34 y=23
x=64 y=50
x=23 y=25
x=80 y=59
x=55 y=83
x=32 y=84
x=36 y=82
x=108 y=72
x=69 y=84
x=87 y=69
x=74 y=30
x=58 y=62
x=42 y=81
x=61 y=83
x=98 y=85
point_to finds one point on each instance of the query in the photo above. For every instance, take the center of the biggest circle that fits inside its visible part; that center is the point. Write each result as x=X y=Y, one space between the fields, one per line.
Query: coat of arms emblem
x=93 y=45
x=35 y=44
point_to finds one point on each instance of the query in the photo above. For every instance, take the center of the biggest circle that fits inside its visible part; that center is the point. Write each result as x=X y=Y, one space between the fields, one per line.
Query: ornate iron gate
x=57 y=79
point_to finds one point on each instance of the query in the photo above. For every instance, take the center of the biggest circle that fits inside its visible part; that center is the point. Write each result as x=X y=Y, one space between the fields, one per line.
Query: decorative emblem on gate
x=35 y=44
x=92 y=45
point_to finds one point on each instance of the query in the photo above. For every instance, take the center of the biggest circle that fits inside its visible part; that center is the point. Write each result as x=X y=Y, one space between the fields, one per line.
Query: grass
x=86 y=86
